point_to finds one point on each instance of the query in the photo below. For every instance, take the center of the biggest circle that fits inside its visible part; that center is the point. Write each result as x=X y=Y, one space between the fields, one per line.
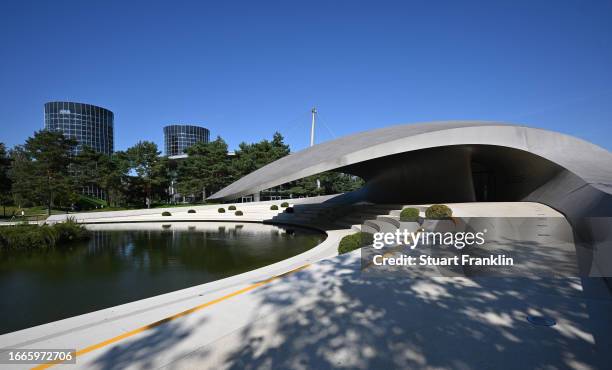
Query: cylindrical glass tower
x=88 y=124
x=177 y=138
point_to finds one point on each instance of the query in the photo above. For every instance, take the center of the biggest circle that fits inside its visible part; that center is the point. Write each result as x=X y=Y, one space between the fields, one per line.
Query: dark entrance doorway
x=484 y=183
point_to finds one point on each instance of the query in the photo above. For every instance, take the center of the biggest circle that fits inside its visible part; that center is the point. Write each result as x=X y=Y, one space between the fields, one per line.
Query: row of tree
x=45 y=171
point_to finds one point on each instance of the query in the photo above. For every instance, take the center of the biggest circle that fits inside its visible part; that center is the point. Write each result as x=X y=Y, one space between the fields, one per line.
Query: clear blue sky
x=246 y=69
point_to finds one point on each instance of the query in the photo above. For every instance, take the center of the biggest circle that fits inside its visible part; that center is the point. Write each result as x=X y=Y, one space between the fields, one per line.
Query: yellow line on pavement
x=171 y=318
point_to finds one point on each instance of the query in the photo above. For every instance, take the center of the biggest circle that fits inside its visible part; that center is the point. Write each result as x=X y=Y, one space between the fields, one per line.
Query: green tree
x=116 y=177
x=41 y=170
x=305 y=187
x=108 y=172
x=206 y=169
x=5 y=181
x=86 y=166
x=144 y=159
x=250 y=157
x=161 y=178
x=337 y=182
x=330 y=183
x=23 y=188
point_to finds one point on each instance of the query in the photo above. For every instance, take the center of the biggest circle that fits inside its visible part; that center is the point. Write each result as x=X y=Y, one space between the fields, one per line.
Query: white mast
x=312 y=126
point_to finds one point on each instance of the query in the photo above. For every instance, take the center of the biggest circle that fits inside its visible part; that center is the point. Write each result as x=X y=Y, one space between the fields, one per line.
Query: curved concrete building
x=443 y=161
x=460 y=161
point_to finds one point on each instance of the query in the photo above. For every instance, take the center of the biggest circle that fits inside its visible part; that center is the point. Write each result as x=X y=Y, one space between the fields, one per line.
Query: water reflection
x=126 y=262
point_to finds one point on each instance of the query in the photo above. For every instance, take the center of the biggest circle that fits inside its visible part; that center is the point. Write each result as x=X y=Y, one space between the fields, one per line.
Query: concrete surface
x=330 y=315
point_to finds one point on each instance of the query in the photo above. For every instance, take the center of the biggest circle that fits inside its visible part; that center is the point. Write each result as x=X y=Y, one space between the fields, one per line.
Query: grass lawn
x=31 y=213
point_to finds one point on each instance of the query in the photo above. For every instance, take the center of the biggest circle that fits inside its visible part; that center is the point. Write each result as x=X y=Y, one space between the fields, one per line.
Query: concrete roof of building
x=590 y=162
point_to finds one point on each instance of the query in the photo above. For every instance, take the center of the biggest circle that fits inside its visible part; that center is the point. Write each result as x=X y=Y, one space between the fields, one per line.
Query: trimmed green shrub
x=289 y=210
x=274 y=207
x=238 y=213
x=166 y=213
x=232 y=208
x=354 y=241
x=409 y=214
x=438 y=212
x=191 y=211
x=221 y=210
x=284 y=204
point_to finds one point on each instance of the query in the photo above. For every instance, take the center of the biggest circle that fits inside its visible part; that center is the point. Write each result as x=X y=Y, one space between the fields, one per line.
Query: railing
x=37 y=217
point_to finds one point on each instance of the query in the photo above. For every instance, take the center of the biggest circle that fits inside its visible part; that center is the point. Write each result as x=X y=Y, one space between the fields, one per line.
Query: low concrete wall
x=253 y=212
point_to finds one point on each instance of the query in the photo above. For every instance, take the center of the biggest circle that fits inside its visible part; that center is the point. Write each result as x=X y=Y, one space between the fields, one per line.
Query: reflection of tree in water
x=133 y=263
x=222 y=252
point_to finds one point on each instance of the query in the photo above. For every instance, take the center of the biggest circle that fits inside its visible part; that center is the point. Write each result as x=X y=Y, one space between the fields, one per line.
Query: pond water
x=127 y=262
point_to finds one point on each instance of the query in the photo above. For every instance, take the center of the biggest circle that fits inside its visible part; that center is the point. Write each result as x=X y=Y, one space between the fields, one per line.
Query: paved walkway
x=328 y=315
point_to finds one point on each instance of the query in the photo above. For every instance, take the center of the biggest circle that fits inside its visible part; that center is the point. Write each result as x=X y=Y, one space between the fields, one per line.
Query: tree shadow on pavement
x=140 y=352
x=331 y=316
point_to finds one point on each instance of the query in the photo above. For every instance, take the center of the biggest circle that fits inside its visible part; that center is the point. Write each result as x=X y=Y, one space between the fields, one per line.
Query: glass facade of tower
x=177 y=138
x=88 y=124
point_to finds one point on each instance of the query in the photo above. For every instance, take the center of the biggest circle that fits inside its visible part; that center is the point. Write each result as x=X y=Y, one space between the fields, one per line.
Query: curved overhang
x=592 y=164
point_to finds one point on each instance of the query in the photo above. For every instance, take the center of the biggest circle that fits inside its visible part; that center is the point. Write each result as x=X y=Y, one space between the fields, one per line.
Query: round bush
x=166 y=213
x=221 y=210
x=284 y=204
x=289 y=210
x=438 y=212
x=354 y=241
x=191 y=211
x=238 y=213
x=409 y=215
x=232 y=208
x=274 y=207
